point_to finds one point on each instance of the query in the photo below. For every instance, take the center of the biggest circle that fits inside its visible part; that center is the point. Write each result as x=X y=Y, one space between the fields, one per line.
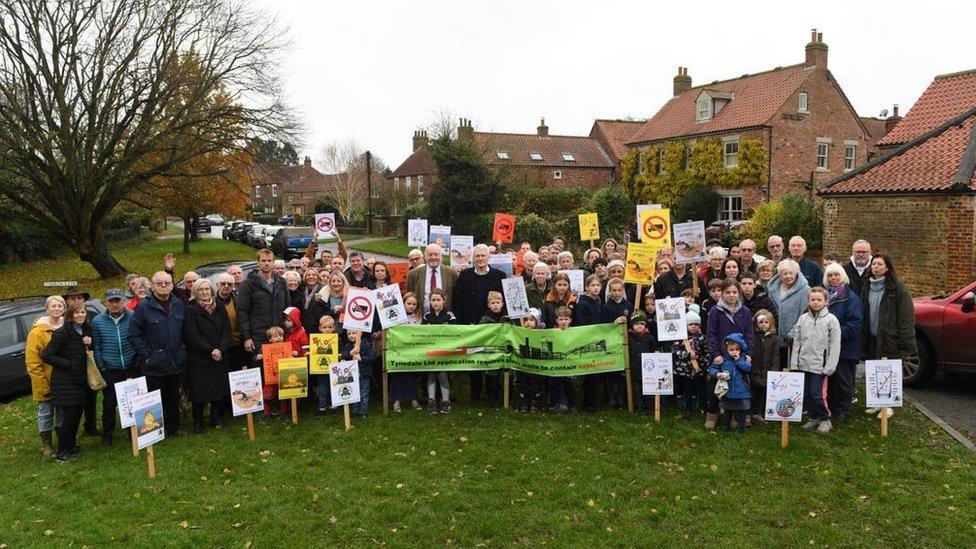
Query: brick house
x=613 y=136
x=798 y=113
x=268 y=185
x=414 y=175
x=537 y=159
x=917 y=202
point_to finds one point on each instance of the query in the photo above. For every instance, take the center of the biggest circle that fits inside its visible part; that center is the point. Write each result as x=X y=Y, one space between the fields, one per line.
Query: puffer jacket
x=765 y=357
x=816 y=343
x=738 y=370
x=69 y=357
x=258 y=309
x=39 y=370
x=789 y=305
x=157 y=336
x=297 y=336
x=110 y=341
x=721 y=322
x=846 y=306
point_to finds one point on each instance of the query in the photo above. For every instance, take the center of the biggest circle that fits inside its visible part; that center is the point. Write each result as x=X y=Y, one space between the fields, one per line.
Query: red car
x=945 y=326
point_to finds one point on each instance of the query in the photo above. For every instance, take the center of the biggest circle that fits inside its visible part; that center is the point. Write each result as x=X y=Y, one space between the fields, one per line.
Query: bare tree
x=95 y=103
x=344 y=164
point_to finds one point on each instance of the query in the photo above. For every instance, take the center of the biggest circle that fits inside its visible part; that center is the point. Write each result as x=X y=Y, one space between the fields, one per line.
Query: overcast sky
x=375 y=71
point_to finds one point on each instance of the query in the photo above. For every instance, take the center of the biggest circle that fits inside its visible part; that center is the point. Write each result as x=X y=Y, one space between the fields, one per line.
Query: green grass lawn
x=396 y=247
x=480 y=477
x=139 y=256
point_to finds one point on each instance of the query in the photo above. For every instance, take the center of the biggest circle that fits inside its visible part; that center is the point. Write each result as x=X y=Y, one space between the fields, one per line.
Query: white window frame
x=274 y=190
x=727 y=210
x=823 y=160
x=502 y=155
x=803 y=102
x=257 y=191
x=557 y=174
x=706 y=114
x=660 y=162
x=568 y=157
x=850 y=153
x=730 y=159
x=535 y=156
x=420 y=187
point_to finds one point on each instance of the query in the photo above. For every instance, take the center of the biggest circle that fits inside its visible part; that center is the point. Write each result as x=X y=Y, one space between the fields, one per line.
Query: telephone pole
x=369 y=193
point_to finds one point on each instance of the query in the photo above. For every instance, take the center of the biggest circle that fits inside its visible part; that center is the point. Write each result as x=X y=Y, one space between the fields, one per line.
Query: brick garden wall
x=930 y=237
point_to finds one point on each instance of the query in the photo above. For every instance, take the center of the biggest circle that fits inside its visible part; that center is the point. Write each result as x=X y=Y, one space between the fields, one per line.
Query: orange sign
x=272 y=352
x=398 y=274
x=504 y=230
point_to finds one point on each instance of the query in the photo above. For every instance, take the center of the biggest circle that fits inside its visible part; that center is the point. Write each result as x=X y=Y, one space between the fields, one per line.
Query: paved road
x=953 y=398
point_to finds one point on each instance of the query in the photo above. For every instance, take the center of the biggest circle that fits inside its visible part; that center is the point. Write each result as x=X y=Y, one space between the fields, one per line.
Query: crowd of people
x=746 y=314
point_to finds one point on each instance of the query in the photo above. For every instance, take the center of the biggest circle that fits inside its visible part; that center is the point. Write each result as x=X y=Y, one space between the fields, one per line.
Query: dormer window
x=502 y=155
x=710 y=103
x=704 y=108
x=535 y=156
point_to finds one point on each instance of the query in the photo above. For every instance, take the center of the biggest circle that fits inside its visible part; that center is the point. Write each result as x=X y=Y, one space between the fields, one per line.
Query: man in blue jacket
x=808 y=267
x=156 y=334
x=114 y=354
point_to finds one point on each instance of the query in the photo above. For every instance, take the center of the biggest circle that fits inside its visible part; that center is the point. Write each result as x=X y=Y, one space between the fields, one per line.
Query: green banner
x=571 y=352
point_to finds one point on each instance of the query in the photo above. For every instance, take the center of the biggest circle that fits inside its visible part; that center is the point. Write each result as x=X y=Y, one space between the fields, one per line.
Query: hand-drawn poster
x=147 y=409
x=293 y=378
x=655 y=227
x=325 y=227
x=344 y=382
x=389 y=306
x=124 y=391
x=784 y=396
x=883 y=383
x=672 y=324
x=589 y=226
x=461 y=246
x=657 y=375
x=271 y=353
x=689 y=242
x=516 y=300
x=440 y=235
x=417 y=232
x=641 y=259
x=504 y=228
x=358 y=314
x=323 y=349
x=502 y=262
x=576 y=280
x=245 y=391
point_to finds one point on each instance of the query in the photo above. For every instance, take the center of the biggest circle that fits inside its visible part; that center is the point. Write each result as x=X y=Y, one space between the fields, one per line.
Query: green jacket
x=896 y=322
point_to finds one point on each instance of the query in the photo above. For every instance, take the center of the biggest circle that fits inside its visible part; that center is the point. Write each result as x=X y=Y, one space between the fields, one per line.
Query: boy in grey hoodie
x=816 y=350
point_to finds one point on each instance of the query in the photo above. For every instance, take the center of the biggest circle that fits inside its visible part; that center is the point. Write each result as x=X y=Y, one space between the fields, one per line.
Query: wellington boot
x=48 y=443
x=710 y=421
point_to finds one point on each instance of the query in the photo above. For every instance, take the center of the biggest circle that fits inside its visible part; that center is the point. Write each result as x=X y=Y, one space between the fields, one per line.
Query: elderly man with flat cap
x=114 y=355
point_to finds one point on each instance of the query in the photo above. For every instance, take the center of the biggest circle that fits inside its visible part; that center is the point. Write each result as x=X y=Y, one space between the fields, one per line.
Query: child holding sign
x=270 y=389
x=295 y=332
x=686 y=354
x=640 y=340
x=360 y=349
x=589 y=311
x=323 y=395
x=732 y=371
x=816 y=351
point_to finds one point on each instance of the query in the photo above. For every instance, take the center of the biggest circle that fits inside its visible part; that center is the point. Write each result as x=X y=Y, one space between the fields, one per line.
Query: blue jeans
x=815 y=396
x=47 y=420
x=362 y=406
x=323 y=392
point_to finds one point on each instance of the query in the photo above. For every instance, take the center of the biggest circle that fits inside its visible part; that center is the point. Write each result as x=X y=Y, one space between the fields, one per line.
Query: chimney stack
x=466 y=131
x=419 y=139
x=308 y=162
x=892 y=120
x=682 y=82
x=542 y=130
x=816 y=51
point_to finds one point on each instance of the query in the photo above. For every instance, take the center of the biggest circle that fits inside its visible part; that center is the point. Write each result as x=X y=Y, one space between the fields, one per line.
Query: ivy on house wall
x=649 y=177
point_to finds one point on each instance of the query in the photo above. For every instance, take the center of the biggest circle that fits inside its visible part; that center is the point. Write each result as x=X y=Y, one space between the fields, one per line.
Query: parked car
x=215 y=219
x=286 y=220
x=203 y=225
x=210 y=271
x=17 y=316
x=269 y=232
x=720 y=229
x=254 y=236
x=237 y=233
x=944 y=330
x=291 y=242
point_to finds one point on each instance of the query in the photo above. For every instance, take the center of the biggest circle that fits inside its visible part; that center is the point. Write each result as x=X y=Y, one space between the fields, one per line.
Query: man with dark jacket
x=859 y=268
x=156 y=334
x=756 y=298
x=470 y=300
x=261 y=303
x=808 y=267
x=114 y=355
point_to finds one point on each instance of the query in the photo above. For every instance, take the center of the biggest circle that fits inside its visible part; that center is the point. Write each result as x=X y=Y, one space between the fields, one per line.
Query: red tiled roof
x=617 y=133
x=418 y=163
x=757 y=98
x=286 y=175
x=586 y=151
x=947 y=96
x=938 y=161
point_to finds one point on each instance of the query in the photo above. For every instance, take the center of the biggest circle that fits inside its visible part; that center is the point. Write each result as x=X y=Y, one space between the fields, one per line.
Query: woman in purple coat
x=728 y=316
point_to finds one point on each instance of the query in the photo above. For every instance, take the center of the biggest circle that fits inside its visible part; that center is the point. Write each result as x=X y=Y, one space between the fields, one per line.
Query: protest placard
x=417 y=232
x=440 y=235
x=245 y=391
x=323 y=349
x=389 y=306
x=124 y=391
x=655 y=227
x=325 y=227
x=292 y=378
x=147 y=410
x=784 y=396
x=641 y=259
x=657 y=375
x=271 y=353
x=577 y=278
x=344 y=382
x=689 y=242
x=358 y=313
x=589 y=226
x=516 y=300
x=398 y=274
x=672 y=324
x=502 y=262
x=644 y=208
x=461 y=246
x=883 y=383
x=503 y=230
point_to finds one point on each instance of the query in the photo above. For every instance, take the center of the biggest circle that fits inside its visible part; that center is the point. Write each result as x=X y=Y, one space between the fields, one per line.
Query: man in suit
x=420 y=279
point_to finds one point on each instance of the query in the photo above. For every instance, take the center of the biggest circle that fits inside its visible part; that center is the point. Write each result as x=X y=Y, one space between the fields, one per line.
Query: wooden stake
x=505 y=381
x=639 y=298
x=294 y=411
x=250 y=427
x=884 y=421
x=657 y=408
x=591 y=244
x=151 y=461
x=135 y=441
x=627 y=379
x=784 y=434
x=345 y=416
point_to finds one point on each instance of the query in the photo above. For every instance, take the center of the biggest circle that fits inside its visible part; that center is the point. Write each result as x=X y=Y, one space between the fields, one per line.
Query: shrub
x=699 y=204
x=550 y=204
x=534 y=229
x=790 y=215
x=615 y=209
x=417 y=210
